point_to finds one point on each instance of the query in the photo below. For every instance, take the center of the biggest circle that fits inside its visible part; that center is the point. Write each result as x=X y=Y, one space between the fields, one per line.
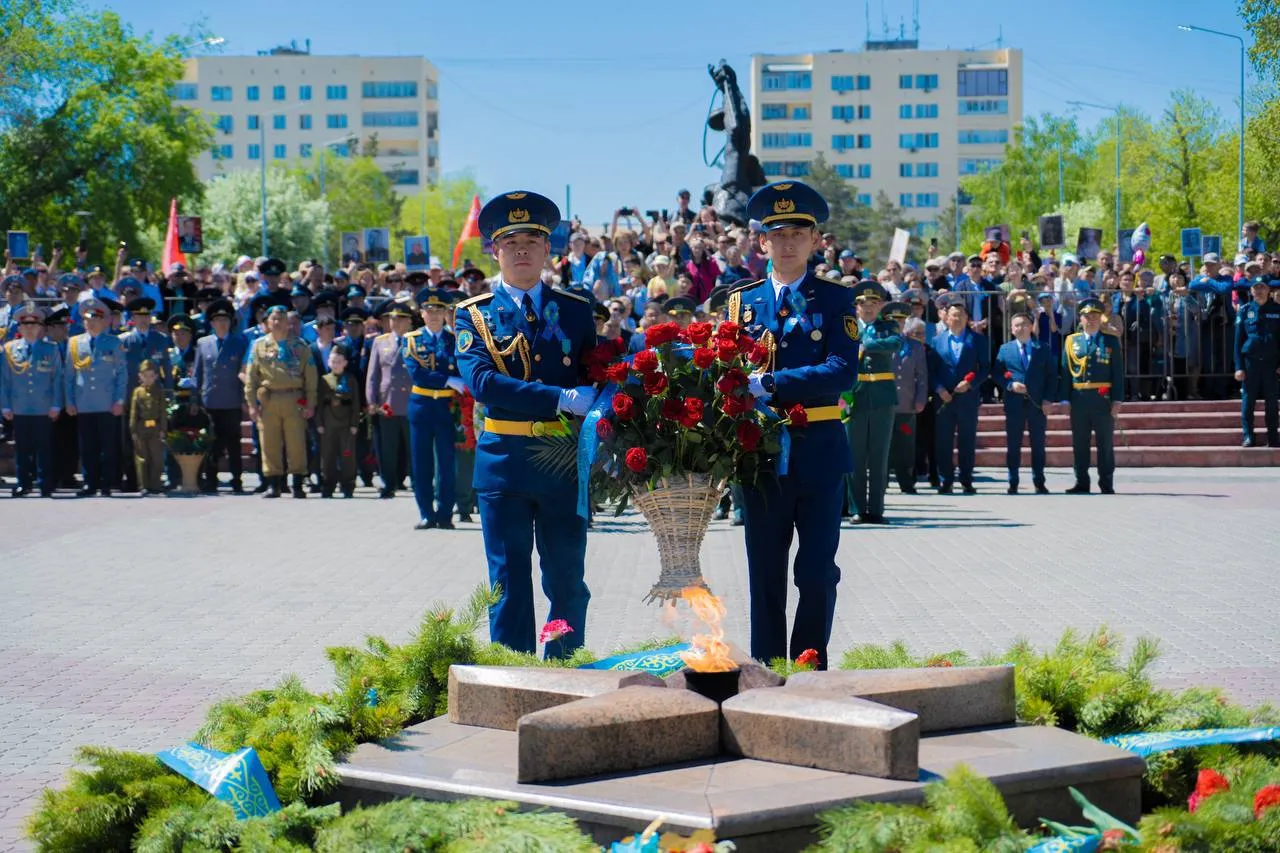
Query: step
x=1127 y=437
x=1152 y=457
x=1156 y=406
x=1141 y=421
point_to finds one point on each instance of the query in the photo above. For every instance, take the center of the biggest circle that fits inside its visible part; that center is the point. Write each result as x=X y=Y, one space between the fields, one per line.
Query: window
x=864 y=140
x=277 y=93
x=926 y=199
x=279 y=152
x=252 y=122
x=783 y=80
x=843 y=112
x=277 y=123
x=917 y=170
x=864 y=82
x=842 y=142
x=993 y=106
x=220 y=93
x=304 y=93
x=909 y=111
x=906 y=170
x=304 y=150
x=390 y=119
x=787 y=140
x=335 y=93
x=917 y=140
x=800 y=113
x=841 y=83
x=185 y=92
x=864 y=199
x=255 y=152
x=977 y=165
x=864 y=170
x=926 y=81
x=251 y=93
x=984 y=137
x=904 y=81
x=403 y=177
x=844 y=170
x=772 y=112
x=335 y=121
x=225 y=124
x=405 y=89
x=222 y=152
x=433 y=93
x=789 y=168
x=984 y=81
x=906 y=200
x=304 y=121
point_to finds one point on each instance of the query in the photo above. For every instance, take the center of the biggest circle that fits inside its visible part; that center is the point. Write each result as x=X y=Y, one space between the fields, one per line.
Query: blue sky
x=612 y=101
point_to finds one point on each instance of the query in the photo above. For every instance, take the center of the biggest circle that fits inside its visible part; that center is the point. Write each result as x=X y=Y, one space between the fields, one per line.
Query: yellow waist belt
x=820 y=413
x=527 y=429
x=876 y=377
x=1089 y=386
x=433 y=393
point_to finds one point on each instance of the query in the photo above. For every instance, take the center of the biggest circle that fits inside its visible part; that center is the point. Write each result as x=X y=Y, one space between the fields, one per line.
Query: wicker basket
x=679 y=513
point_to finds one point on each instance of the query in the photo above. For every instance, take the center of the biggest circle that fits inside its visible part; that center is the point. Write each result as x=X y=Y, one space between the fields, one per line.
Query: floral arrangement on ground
x=125 y=801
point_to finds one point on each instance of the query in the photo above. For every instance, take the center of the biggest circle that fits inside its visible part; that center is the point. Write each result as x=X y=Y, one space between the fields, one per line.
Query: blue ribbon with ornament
x=237 y=779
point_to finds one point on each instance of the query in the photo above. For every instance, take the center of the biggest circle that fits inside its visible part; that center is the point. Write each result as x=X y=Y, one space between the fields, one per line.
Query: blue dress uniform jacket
x=31 y=380
x=1038 y=370
x=956 y=423
x=1257 y=353
x=1091 y=379
x=516 y=369
x=139 y=348
x=217 y=370
x=815 y=359
x=431 y=361
x=96 y=375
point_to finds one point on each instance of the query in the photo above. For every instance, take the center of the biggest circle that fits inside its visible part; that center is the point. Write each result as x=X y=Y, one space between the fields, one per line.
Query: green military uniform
x=281 y=381
x=148 y=424
x=338 y=416
x=875 y=395
x=1092 y=378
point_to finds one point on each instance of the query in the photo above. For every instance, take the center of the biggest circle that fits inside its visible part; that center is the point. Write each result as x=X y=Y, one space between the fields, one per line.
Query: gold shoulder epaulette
x=415 y=333
x=467 y=303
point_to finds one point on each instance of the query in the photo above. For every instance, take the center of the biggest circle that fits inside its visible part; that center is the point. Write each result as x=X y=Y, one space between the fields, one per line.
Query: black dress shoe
x=464 y=517
x=1248 y=441
x=20 y=491
x=909 y=490
x=445 y=525
x=1107 y=490
x=106 y=493
x=945 y=490
x=876 y=519
x=86 y=492
x=1012 y=490
x=968 y=489
x=425 y=525
x=46 y=493
x=262 y=486
x=386 y=494
x=237 y=488
x=1078 y=489
x=1042 y=490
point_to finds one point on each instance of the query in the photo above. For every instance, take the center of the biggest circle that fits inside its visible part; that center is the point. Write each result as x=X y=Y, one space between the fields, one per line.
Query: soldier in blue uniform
x=31 y=396
x=66 y=442
x=1257 y=353
x=1092 y=385
x=811 y=329
x=519 y=351
x=182 y=352
x=1027 y=373
x=95 y=390
x=431 y=359
x=141 y=343
x=957 y=352
x=219 y=363
x=875 y=395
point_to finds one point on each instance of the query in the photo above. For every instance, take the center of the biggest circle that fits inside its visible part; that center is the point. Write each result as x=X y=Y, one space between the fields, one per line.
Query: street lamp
x=1191 y=28
x=1115 y=110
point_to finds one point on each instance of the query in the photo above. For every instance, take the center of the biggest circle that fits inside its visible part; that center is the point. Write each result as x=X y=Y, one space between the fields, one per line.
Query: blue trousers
x=955 y=426
x=33 y=446
x=1260 y=381
x=512 y=523
x=1021 y=414
x=774 y=512
x=100 y=449
x=431 y=437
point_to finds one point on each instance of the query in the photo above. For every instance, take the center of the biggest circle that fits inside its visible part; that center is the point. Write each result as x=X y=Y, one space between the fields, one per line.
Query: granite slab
x=497 y=697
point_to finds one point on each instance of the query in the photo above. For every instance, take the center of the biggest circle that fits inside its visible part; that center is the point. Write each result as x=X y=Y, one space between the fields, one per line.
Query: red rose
x=703 y=358
x=346 y=454
x=731 y=381
x=735 y=406
x=1104 y=390
x=969 y=377
x=758 y=354
x=726 y=351
x=624 y=407
x=646 y=361
x=1008 y=374
x=673 y=408
x=387 y=410
x=808 y=657
x=905 y=429
x=663 y=333
x=749 y=433
x=604 y=428
x=693 y=408
x=746 y=342
x=302 y=401
x=637 y=459
x=1268 y=797
x=698 y=333
x=654 y=384
x=798 y=416
x=728 y=332
x=616 y=373
x=1210 y=782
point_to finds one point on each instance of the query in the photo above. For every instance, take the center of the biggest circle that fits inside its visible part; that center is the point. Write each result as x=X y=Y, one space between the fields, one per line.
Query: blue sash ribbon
x=1146 y=743
x=659 y=662
x=238 y=778
x=551 y=316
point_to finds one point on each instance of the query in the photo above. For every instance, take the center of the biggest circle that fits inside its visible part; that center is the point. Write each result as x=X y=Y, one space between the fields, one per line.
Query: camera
x=625 y=211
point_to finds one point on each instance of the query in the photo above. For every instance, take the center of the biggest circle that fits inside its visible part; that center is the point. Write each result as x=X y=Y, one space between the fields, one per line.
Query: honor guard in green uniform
x=1092 y=385
x=148 y=423
x=280 y=390
x=875 y=395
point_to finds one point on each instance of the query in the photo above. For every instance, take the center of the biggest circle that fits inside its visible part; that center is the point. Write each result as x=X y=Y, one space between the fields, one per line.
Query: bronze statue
x=741 y=174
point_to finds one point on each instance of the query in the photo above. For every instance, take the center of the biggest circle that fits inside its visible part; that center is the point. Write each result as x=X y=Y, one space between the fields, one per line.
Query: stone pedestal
x=496 y=697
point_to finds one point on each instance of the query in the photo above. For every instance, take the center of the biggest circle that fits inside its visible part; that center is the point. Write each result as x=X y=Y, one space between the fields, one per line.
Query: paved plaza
x=121 y=620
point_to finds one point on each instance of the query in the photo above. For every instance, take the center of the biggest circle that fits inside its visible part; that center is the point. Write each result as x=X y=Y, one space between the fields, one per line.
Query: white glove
x=755 y=387
x=577 y=401
x=456 y=384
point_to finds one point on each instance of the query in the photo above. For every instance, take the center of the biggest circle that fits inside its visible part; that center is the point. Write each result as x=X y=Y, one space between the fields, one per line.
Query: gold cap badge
x=518 y=214
x=516 y=196
x=784 y=205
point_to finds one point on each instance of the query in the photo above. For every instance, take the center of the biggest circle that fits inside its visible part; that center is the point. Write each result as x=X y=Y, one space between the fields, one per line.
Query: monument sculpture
x=741 y=173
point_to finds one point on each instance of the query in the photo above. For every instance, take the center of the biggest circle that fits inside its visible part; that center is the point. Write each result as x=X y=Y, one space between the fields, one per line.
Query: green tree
x=86 y=123
x=849 y=221
x=358 y=193
x=296 y=223
x=885 y=218
x=1262 y=20
x=439 y=212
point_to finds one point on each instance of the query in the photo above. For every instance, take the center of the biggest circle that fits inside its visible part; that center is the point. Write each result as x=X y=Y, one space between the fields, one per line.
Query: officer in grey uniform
x=387 y=388
x=95 y=392
x=31 y=395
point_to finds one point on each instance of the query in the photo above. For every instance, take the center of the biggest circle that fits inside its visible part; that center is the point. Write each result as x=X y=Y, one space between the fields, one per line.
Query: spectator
x=702 y=269
x=682 y=212
x=734 y=272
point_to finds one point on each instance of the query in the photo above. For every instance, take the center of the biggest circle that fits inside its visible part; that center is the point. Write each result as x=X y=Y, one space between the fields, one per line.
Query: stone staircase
x=1156 y=434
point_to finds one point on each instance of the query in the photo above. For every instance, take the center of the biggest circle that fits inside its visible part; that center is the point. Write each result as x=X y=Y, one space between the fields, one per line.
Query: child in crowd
x=338 y=415
x=148 y=425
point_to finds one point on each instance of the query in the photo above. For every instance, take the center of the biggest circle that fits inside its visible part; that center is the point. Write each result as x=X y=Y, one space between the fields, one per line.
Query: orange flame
x=709 y=652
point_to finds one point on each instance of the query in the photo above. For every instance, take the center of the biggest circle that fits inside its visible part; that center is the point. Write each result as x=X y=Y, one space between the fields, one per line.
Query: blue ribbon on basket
x=1147 y=743
x=237 y=778
x=588 y=444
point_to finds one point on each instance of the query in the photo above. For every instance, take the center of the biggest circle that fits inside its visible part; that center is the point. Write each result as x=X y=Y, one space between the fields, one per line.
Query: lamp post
x=1115 y=110
x=1191 y=28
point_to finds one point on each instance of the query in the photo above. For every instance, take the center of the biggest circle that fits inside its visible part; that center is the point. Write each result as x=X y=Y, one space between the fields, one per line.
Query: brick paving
x=125 y=641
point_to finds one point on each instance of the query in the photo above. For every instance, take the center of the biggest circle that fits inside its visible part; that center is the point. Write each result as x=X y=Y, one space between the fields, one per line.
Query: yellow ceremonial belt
x=876 y=377
x=433 y=393
x=1089 y=386
x=527 y=429
x=820 y=413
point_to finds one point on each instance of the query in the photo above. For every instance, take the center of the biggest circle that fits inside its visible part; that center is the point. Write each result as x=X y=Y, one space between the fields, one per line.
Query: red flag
x=470 y=230
x=172 y=254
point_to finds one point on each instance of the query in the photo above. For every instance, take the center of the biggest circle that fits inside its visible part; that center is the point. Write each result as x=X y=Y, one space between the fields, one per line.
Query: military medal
x=747 y=314
x=816 y=335
x=567 y=361
x=785 y=312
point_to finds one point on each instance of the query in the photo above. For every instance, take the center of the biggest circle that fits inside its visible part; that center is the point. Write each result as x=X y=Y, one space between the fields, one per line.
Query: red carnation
x=905 y=429
x=969 y=377
x=731 y=381
x=798 y=416
x=673 y=408
x=663 y=333
x=808 y=657
x=1104 y=390
x=637 y=459
x=302 y=401
x=693 y=408
x=1008 y=374
x=1268 y=796
x=604 y=428
x=387 y=410
x=646 y=361
x=616 y=373
x=655 y=384
x=758 y=354
x=624 y=407
x=749 y=433
x=726 y=351
x=698 y=333
x=346 y=454
x=1208 y=783
x=735 y=405
x=728 y=332
x=703 y=358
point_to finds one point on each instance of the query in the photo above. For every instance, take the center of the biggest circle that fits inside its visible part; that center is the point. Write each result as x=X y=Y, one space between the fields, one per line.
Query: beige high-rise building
x=285 y=104
x=890 y=118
